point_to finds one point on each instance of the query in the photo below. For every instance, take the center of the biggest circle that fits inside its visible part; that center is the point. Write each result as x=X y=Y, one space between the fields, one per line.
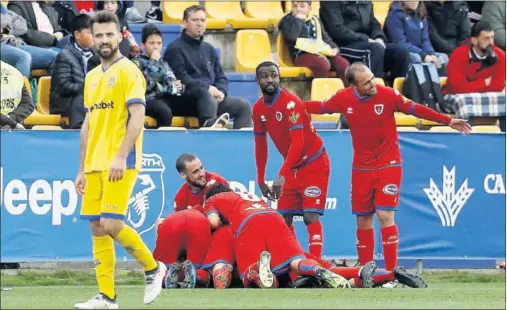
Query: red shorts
x=267 y=232
x=221 y=249
x=183 y=231
x=305 y=190
x=375 y=190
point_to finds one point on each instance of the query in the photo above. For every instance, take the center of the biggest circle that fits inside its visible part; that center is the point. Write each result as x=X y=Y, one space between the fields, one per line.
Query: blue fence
x=452 y=204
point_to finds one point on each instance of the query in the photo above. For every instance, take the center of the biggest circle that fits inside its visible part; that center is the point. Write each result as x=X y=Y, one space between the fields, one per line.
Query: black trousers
x=394 y=57
x=198 y=103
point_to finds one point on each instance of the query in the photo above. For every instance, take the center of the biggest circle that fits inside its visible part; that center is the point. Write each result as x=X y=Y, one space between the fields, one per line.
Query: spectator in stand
x=132 y=15
x=476 y=77
x=42 y=21
x=16 y=103
x=15 y=51
x=196 y=63
x=300 y=25
x=493 y=12
x=448 y=24
x=68 y=76
x=162 y=85
x=407 y=25
x=67 y=11
x=128 y=46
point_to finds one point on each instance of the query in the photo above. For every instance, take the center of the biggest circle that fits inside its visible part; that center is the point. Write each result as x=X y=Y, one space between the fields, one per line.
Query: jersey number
x=249 y=197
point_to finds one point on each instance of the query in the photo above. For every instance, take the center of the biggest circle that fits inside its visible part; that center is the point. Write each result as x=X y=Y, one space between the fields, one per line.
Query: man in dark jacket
x=16 y=102
x=38 y=14
x=448 y=24
x=196 y=64
x=353 y=26
x=67 y=81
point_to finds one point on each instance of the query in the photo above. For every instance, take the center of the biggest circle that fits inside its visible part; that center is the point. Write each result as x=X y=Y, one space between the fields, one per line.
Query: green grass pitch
x=450 y=290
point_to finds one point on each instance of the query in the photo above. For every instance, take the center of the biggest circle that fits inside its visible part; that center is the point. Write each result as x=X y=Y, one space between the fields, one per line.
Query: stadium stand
x=252 y=48
x=380 y=9
x=270 y=10
x=173 y=14
x=323 y=89
x=46 y=127
x=442 y=129
x=315 y=7
x=233 y=15
x=285 y=61
x=486 y=129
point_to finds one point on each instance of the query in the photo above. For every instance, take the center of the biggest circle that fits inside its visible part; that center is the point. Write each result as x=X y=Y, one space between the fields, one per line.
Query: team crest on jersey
x=312 y=191
x=148 y=197
x=293 y=118
x=390 y=189
x=379 y=108
x=278 y=116
x=112 y=81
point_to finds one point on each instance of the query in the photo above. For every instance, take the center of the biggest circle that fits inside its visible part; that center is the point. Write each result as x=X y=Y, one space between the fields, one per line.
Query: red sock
x=246 y=281
x=293 y=276
x=365 y=245
x=202 y=276
x=346 y=272
x=382 y=276
x=308 y=267
x=315 y=238
x=390 y=246
x=291 y=227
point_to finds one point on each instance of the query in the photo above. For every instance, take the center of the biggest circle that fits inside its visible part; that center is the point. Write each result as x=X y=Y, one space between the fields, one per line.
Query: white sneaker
x=154 y=284
x=97 y=302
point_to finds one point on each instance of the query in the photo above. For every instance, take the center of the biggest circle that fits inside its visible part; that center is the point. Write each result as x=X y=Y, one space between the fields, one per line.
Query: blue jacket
x=409 y=30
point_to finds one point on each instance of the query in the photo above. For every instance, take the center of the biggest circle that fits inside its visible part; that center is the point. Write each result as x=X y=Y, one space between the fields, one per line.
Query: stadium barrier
x=452 y=204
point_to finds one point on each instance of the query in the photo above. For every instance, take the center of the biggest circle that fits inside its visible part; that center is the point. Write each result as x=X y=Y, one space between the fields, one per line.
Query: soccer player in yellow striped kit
x=111 y=150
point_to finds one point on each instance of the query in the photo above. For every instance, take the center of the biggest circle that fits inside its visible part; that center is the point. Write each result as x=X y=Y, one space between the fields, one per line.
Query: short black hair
x=192 y=9
x=479 y=27
x=148 y=30
x=104 y=17
x=80 y=22
x=217 y=189
x=183 y=159
x=350 y=73
x=266 y=64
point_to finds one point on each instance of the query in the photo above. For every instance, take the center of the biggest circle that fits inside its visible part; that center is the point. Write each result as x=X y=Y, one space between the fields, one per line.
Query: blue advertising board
x=452 y=203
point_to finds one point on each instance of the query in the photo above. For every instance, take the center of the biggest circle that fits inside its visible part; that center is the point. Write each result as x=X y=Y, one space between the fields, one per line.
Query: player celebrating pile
x=376 y=169
x=304 y=176
x=111 y=149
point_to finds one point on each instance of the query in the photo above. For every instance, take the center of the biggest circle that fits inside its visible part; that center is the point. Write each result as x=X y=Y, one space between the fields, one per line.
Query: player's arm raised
x=407 y=106
x=261 y=154
x=329 y=106
x=135 y=89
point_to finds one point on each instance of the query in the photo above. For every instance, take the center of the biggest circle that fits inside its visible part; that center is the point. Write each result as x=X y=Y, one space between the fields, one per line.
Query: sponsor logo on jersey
x=312 y=191
x=148 y=199
x=278 y=116
x=390 y=189
x=263 y=118
x=102 y=106
x=379 y=108
x=448 y=203
x=291 y=105
x=294 y=117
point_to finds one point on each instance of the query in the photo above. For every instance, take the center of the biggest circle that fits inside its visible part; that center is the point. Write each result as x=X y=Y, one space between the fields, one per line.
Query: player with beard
x=219 y=251
x=376 y=168
x=302 y=181
x=110 y=160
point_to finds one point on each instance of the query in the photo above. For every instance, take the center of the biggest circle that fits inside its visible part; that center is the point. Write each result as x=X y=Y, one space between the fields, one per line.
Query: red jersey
x=290 y=128
x=236 y=208
x=373 y=125
x=185 y=199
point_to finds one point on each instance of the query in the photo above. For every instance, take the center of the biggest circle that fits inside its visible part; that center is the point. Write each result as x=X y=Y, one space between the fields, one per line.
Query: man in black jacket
x=353 y=26
x=195 y=63
x=448 y=24
x=69 y=71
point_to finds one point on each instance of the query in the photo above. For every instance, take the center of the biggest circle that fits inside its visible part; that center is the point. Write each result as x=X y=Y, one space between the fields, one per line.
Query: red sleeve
x=179 y=201
x=296 y=128
x=329 y=106
x=210 y=206
x=498 y=81
x=261 y=147
x=407 y=106
x=456 y=74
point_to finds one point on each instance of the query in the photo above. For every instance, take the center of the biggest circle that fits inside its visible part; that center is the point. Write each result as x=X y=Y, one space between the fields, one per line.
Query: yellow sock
x=135 y=246
x=105 y=259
